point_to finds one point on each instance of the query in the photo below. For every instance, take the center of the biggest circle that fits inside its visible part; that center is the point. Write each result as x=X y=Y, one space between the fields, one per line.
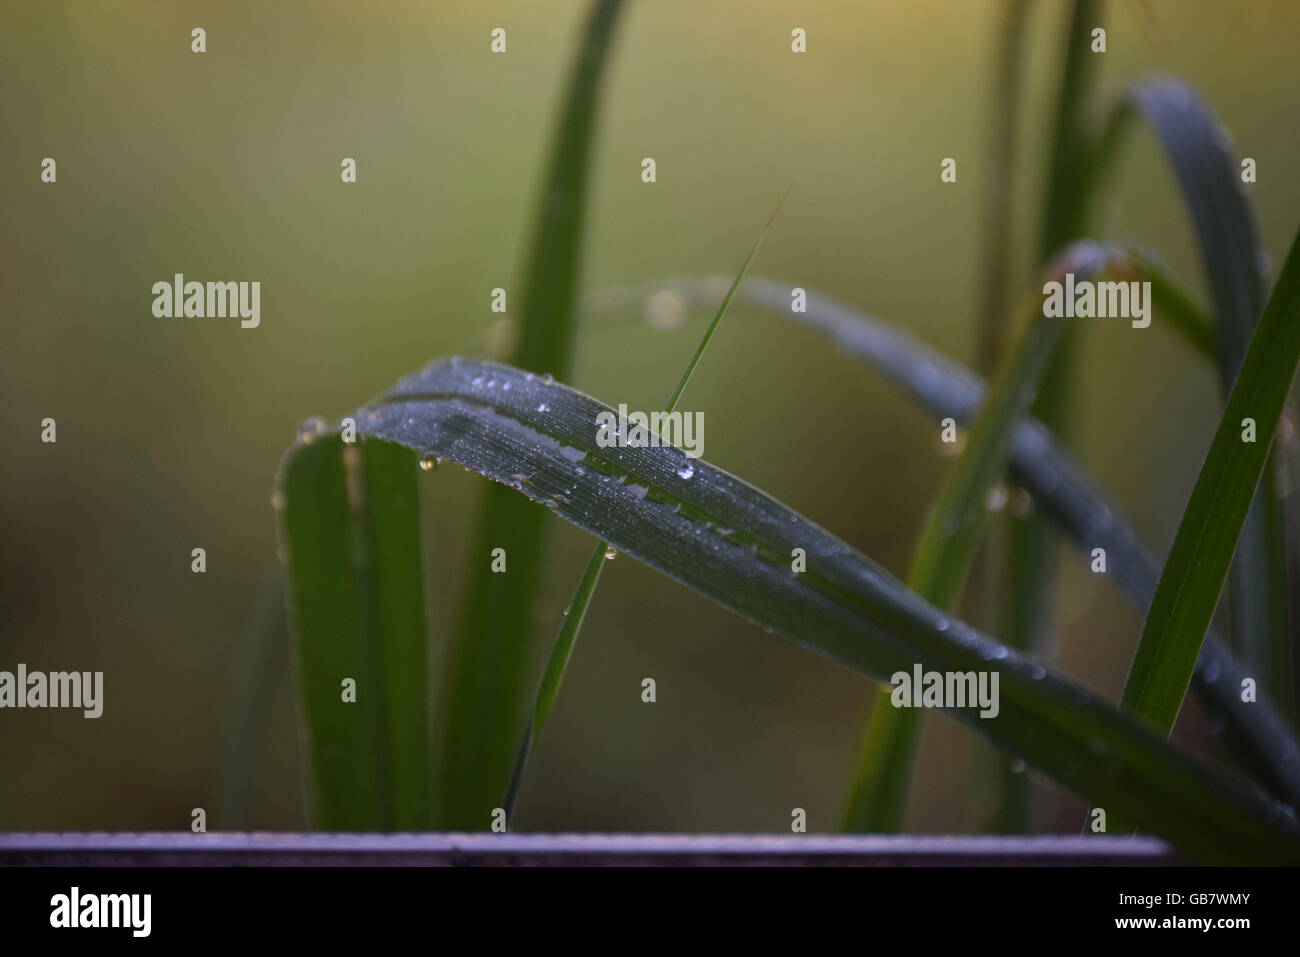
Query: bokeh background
x=226 y=166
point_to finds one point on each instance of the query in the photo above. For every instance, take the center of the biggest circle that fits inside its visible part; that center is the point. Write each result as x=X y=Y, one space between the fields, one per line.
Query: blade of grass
x=576 y=613
x=1033 y=555
x=1173 y=300
x=989 y=576
x=948 y=540
x=1059 y=487
x=349 y=530
x=496 y=641
x=1198 y=563
x=731 y=542
x=1226 y=232
x=259 y=664
x=998 y=216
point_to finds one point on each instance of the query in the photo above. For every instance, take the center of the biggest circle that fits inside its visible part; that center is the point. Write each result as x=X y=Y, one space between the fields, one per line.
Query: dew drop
x=311 y=429
x=996 y=498
x=548 y=379
x=686 y=471
x=942 y=624
x=611 y=553
x=428 y=462
x=278 y=501
x=1000 y=652
x=543 y=407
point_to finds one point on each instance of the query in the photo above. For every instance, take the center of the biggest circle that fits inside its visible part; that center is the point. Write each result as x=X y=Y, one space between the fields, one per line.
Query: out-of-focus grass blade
x=947 y=543
x=1225 y=229
x=1033 y=554
x=993 y=338
x=1173 y=300
x=733 y=543
x=496 y=641
x=558 y=660
x=1194 y=573
x=350 y=543
x=1004 y=123
x=1042 y=467
x=259 y=663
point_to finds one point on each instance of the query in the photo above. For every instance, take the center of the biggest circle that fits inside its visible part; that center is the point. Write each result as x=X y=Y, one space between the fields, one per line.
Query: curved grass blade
x=1057 y=484
x=576 y=613
x=1197 y=149
x=947 y=542
x=1225 y=229
x=1194 y=573
x=733 y=543
x=496 y=640
x=1173 y=300
x=349 y=530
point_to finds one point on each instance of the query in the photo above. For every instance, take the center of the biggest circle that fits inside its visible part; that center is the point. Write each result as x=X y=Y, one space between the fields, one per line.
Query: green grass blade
x=998 y=214
x=496 y=640
x=555 y=262
x=689 y=371
x=883 y=775
x=1033 y=555
x=553 y=673
x=1194 y=573
x=258 y=665
x=948 y=540
x=1228 y=236
x=351 y=549
x=1173 y=300
x=1060 y=489
x=558 y=660
x=733 y=543
x=1066 y=204
x=993 y=334
x=1225 y=229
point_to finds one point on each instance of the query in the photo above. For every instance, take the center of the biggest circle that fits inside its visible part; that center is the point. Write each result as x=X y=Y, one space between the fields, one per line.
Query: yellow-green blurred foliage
x=225 y=166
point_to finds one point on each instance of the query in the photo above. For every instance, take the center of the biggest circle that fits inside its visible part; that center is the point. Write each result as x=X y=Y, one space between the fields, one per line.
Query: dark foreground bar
x=470 y=850
x=338 y=891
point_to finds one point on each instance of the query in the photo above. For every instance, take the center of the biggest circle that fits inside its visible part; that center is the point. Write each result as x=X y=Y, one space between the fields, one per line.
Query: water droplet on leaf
x=311 y=429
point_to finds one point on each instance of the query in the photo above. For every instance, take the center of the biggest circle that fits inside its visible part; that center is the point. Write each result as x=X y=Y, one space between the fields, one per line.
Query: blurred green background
x=225 y=166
